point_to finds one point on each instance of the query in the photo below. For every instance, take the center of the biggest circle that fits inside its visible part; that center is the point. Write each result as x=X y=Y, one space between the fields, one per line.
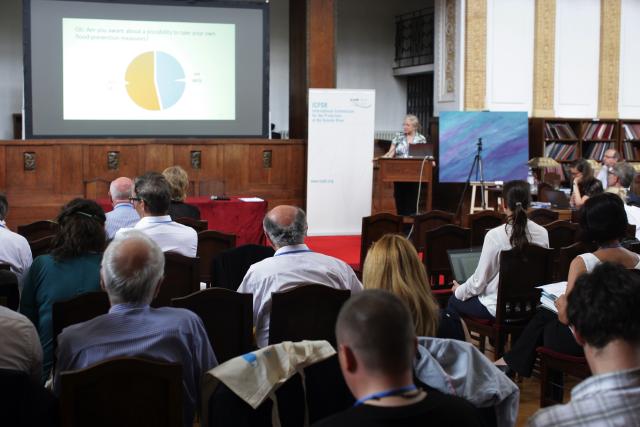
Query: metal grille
x=414 y=38
x=420 y=98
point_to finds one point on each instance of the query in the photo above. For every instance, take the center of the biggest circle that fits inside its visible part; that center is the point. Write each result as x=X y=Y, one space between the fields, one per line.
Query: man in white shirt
x=14 y=248
x=152 y=198
x=611 y=157
x=123 y=214
x=620 y=178
x=292 y=264
x=20 y=348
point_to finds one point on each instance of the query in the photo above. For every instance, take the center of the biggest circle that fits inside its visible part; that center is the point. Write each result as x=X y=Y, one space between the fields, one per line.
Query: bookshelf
x=630 y=140
x=597 y=137
x=557 y=138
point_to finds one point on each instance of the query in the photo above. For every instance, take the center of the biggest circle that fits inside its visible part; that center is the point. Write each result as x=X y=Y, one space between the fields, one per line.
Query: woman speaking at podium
x=406 y=193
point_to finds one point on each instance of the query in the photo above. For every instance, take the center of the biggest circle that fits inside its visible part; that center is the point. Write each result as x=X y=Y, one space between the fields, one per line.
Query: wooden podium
x=406 y=170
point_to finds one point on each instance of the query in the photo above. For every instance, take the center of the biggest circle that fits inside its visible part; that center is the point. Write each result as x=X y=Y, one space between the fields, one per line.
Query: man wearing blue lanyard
x=293 y=264
x=376 y=349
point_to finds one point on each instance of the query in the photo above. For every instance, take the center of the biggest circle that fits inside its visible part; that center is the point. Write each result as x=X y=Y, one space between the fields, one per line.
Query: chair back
x=122 y=391
x=542 y=216
x=197 y=224
x=563 y=257
x=24 y=402
x=9 y=295
x=437 y=242
x=229 y=267
x=376 y=226
x=520 y=273
x=37 y=230
x=561 y=233
x=227 y=317
x=630 y=233
x=210 y=244
x=543 y=191
x=481 y=221
x=428 y=221
x=78 y=309
x=181 y=278
x=306 y=312
x=41 y=246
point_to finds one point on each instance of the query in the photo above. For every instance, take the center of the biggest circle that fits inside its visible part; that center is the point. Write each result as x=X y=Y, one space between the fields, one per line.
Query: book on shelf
x=595 y=150
x=599 y=131
x=631 y=151
x=558 y=131
x=631 y=130
x=560 y=151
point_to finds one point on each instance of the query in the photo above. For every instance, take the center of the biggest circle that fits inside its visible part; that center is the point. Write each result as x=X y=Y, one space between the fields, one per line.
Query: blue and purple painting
x=505 y=145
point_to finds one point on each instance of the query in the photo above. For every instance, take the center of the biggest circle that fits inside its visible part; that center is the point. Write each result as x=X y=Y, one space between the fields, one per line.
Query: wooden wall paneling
x=236 y=168
x=298 y=69
x=157 y=157
x=321 y=35
x=38 y=181
x=70 y=175
x=3 y=169
x=209 y=176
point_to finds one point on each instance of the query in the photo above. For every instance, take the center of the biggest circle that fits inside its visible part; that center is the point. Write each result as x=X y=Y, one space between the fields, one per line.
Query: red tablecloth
x=244 y=219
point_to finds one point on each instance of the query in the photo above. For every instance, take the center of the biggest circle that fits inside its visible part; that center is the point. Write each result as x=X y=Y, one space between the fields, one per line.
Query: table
x=244 y=219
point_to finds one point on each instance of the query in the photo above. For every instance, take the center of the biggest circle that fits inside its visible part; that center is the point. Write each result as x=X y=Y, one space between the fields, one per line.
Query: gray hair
x=4 y=207
x=117 y=193
x=625 y=172
x=126 y=282
x=154 y=190
x=293 y=234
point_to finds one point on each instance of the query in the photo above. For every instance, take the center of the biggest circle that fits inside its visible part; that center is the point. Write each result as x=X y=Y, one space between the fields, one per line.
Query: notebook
x=558 y=199
x=463 y=262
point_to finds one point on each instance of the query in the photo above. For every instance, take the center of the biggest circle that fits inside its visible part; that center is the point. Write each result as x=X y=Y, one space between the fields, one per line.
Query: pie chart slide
x=155 y=80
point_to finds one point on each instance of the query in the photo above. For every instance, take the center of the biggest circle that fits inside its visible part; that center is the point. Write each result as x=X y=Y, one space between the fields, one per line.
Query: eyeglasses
x=135 y=199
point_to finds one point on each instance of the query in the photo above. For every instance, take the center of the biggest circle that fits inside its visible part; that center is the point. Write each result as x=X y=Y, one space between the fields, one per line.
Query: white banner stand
x=339 y=160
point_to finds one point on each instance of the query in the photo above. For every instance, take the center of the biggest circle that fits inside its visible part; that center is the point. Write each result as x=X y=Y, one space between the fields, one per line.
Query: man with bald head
x=609 y=160
x=292 y=265
x=131 y=274
x=123 y=214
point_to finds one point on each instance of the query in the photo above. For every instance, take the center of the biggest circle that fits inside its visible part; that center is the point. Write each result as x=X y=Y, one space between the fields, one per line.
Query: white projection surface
x=146 y=70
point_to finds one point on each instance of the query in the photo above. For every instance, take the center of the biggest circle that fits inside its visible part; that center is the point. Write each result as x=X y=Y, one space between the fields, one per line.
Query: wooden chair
x=229 y=267
x=520 y=273
x=561 y=233
x=78 y=309
x=227 y=317
x=9 y=294
x=562 y=259
x=210 y=244
x=428 y=221
x=24 y=402
x=37 y=230
x=376 y=226
x=630 y=233
x=123 y=391
x=181 y=278
x=196 y=224
x=437 y=242
x=306 y=312
x=41 y=246
x=543 y=190
x=480 y=222
x=542 y=216
x=553 y=366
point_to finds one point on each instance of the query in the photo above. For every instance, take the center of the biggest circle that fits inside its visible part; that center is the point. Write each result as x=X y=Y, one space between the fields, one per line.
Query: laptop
x=420 y=150
x=558 y=199
x=464 y=262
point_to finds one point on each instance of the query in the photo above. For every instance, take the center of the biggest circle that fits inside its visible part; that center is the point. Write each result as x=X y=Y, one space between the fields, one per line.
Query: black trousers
x=544 y=329
x=406 y=195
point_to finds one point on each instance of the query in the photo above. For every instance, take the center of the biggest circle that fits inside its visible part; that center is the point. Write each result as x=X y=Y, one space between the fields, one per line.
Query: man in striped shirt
x=131 y=273
x=123 y=214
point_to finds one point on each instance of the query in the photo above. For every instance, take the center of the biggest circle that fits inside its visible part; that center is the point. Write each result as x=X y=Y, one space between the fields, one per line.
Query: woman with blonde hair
x=393 y=264
x=179 y=184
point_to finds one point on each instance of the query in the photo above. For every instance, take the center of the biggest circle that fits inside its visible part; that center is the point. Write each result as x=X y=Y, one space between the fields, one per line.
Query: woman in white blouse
x=477 y=297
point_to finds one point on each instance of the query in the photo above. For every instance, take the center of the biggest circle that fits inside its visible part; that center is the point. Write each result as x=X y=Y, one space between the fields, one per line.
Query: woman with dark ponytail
x=477 y=297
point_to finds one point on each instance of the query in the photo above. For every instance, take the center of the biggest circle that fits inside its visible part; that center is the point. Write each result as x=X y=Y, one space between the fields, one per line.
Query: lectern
x=407 y=170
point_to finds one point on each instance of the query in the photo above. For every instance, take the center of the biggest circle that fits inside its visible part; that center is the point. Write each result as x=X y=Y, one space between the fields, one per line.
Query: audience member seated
x=20 y=348
x=611 y=157
x=151 y=198
x=14 y=248
x=603 y=221
x=392 y=264
x=70 y=269
x=602 y=310
x=376 y=350
x=584 y=184
x=620 y=178
x=477 y=297
x=179 y=183
x=131 y=275
x=293 y=264
x=123 y=214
